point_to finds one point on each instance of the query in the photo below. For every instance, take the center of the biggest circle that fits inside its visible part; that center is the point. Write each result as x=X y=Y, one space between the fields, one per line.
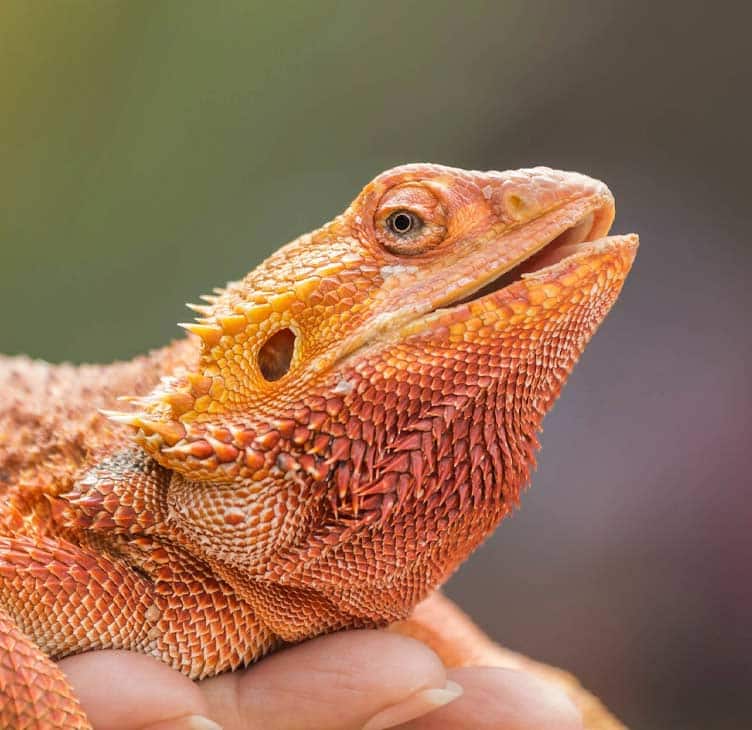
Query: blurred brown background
x=152 y=150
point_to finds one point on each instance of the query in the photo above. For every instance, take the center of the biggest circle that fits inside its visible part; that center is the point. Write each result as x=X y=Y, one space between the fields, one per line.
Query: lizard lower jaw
x=571 y=270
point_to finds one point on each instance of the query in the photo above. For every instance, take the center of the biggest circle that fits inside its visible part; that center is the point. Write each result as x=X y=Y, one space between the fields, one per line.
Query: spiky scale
x=209 y=333
x=202 y=309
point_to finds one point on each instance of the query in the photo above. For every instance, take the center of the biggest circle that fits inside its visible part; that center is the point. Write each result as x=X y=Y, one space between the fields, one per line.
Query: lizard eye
x=410 y=220
x=402 y=222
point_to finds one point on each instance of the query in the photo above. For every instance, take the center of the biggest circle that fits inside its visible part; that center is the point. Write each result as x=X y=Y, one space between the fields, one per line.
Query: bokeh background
x=152 y=150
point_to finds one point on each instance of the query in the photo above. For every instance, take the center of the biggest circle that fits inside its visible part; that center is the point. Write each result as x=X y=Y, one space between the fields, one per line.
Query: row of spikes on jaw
x=158 y=417
x=172 y=417
x=163 y=414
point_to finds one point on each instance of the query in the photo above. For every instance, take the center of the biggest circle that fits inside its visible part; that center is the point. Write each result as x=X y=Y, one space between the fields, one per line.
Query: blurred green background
x=152 y=150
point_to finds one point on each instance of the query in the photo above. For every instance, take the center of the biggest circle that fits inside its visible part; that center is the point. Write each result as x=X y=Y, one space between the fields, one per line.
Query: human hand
x=346 y=681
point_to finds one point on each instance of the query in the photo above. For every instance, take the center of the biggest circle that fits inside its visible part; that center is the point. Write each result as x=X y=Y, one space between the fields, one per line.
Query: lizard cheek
x=276 y=354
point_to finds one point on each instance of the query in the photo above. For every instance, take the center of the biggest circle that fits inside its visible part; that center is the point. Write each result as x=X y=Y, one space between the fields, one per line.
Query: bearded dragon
x=339 y=430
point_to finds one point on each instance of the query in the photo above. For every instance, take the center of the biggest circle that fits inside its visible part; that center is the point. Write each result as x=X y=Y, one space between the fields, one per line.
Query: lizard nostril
x=276 y=353
x=516 y=205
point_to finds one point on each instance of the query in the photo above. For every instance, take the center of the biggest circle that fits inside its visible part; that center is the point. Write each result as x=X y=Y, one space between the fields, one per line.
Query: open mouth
x=568 y=241
x=573 y=229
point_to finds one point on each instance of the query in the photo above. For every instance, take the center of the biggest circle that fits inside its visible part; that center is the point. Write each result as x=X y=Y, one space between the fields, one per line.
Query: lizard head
x=380 y=381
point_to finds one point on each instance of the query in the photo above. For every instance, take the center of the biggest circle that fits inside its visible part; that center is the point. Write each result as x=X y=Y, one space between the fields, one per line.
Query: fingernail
x=189 y=722
x=199 y=722
x=414 y=706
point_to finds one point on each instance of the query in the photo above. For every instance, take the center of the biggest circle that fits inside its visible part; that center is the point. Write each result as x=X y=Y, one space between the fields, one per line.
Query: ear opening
x=276 y=353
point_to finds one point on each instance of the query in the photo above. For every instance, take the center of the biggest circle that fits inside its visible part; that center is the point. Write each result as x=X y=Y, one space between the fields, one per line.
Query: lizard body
x=341 y=429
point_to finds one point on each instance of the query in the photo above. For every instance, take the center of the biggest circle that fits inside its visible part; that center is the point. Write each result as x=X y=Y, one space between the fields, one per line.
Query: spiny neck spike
x=170 y=431
x=128 y=398
x=201 y=309
x=179 y=401
x=119 y=416
x=209 y=333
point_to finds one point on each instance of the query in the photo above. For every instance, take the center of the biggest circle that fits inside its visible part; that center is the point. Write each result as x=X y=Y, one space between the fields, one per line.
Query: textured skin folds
x=346 y=424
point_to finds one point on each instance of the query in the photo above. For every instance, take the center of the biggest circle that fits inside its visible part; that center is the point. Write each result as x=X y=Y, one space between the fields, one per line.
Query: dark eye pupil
x=402 y=223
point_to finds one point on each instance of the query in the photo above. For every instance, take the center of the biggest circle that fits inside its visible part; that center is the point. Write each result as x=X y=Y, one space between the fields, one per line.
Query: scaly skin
x=338 y=434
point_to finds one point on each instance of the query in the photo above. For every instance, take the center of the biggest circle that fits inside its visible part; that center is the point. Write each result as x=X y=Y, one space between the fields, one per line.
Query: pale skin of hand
x=338 y=682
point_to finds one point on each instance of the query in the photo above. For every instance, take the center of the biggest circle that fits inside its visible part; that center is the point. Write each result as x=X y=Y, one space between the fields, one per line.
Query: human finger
x=345 y=681
x=502 y=699
x=123 y=690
